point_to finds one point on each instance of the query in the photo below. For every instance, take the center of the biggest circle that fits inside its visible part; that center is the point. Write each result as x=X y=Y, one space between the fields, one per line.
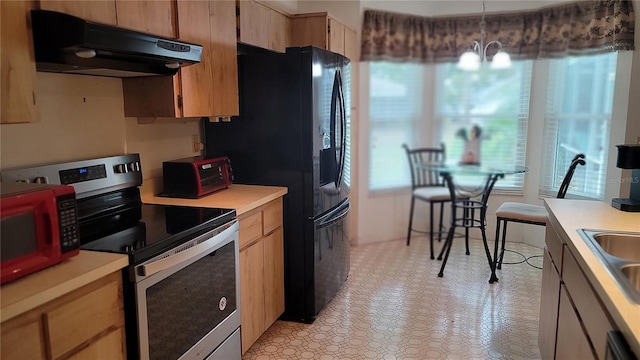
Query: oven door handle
x=215 y=241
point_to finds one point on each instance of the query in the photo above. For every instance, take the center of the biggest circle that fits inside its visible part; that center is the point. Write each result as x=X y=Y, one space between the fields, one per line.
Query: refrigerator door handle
x=333 y=216
x=337 y=109
x=343 y=134
x=334 y=103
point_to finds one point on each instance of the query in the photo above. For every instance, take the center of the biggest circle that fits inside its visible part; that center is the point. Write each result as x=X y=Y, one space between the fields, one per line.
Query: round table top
x=473 y=169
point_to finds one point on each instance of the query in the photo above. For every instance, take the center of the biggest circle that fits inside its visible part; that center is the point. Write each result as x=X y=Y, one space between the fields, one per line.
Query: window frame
x=553 y=167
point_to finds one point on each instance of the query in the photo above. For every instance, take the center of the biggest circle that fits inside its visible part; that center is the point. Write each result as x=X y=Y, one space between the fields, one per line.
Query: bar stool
x=428 y=185
x=528 y=213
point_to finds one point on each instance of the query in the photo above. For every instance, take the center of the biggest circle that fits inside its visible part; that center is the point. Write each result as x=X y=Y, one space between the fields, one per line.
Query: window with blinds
x=395 y=107
x=578 y=120
x=496 y=102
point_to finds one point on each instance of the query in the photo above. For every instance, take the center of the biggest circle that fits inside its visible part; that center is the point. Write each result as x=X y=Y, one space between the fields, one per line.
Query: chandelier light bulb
x=470 y=60
x=501 y=60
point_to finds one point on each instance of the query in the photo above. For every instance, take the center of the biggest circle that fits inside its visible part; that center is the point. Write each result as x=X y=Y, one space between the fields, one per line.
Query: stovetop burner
x=147 y=230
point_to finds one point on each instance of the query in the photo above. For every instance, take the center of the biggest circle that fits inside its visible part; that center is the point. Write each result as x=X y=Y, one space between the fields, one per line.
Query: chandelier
x=472 y=59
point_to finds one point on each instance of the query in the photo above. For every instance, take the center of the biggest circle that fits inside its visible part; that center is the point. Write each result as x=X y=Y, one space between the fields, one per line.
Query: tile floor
x=393 y=306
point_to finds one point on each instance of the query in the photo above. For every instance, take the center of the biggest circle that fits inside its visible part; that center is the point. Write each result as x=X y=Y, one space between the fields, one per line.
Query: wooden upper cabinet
x=262 y=26
x=336 y=36
x=351 y=46
x=17 y=66
x=209 y=88
x=101 y=11
x=279 y=31
x=193 y=26
x=253 y=23
x=154 y=17
x=310 y=30
x=224 y=62
x=323 y=31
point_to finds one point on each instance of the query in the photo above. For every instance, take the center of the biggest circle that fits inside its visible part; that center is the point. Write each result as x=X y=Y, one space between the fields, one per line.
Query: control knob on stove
x=40 y=180
x=134 y=166
x=120 y=168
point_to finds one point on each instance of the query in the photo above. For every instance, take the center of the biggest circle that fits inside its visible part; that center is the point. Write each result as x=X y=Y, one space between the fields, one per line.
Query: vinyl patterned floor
x=393 y=306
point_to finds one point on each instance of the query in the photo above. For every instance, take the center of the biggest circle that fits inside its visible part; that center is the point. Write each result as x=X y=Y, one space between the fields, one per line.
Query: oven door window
x=182 y=308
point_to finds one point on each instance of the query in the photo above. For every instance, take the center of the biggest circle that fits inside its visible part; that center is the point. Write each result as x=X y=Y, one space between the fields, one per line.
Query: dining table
x=469 y=201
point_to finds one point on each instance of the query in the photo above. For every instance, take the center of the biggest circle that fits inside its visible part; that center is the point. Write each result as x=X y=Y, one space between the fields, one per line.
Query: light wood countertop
x=36 y=289
x=572 y=215
x=242 y=198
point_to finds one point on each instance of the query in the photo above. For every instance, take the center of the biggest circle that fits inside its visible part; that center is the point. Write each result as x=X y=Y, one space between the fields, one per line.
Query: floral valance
x=575 y=28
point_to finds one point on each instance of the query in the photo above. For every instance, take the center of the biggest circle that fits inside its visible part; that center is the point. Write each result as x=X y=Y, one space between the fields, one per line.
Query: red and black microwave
x=38 y=227
x=195 y=176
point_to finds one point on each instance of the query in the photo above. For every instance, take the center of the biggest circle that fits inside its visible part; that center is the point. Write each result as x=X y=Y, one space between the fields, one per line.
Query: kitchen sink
x=622 y=245
x=632 y=273
x=620 y=253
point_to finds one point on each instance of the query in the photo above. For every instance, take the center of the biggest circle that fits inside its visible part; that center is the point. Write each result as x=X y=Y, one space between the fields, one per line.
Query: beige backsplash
x=82 y=117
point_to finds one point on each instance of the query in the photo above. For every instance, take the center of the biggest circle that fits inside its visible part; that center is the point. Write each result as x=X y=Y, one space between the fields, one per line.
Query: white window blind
x=495 y=100
x=578 y=120
x=395 y=106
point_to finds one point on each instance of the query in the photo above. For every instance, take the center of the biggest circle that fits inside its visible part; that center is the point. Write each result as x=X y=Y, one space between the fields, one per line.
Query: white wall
x=82 y=117
x=79 y=119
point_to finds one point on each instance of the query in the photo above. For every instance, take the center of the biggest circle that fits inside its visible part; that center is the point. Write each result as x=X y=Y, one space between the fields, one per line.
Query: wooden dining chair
x=427 y=186
x=528 y=213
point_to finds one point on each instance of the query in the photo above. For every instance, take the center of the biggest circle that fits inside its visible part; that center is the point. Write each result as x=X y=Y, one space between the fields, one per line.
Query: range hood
x=67 y=44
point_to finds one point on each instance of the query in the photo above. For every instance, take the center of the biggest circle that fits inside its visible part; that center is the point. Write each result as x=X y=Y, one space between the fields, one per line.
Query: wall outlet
x=196 y=145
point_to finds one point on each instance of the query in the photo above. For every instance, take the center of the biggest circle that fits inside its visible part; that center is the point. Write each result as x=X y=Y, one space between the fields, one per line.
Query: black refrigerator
x=293 y=131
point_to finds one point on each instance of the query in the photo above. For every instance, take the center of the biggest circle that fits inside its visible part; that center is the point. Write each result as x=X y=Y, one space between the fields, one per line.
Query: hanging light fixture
x=472 y=59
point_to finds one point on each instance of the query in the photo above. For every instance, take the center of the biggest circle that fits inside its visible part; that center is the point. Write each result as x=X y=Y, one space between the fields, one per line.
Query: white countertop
x=596 y=215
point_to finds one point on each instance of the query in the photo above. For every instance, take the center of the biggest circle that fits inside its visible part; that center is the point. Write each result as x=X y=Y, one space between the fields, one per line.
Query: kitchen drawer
x=555 y=247
x=78 y=321
x=594 y=319
x=250 y=227
x=272 y=216
x=22 y=339
x=259 y=222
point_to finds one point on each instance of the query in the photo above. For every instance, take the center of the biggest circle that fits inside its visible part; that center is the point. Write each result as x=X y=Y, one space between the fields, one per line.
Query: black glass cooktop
x=144 y=231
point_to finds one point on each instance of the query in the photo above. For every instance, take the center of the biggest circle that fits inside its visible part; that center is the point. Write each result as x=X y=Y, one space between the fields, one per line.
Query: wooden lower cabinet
x=261 y=270
x=273 y=276
x=107 y=347
x=251 y=294
x=87 y=323
x=572 y=342
x=549 y=298
x=573 y=321
x=22 y=338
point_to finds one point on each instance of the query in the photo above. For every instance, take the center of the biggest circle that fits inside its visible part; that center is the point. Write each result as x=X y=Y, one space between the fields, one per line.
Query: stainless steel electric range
x=181 y=288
